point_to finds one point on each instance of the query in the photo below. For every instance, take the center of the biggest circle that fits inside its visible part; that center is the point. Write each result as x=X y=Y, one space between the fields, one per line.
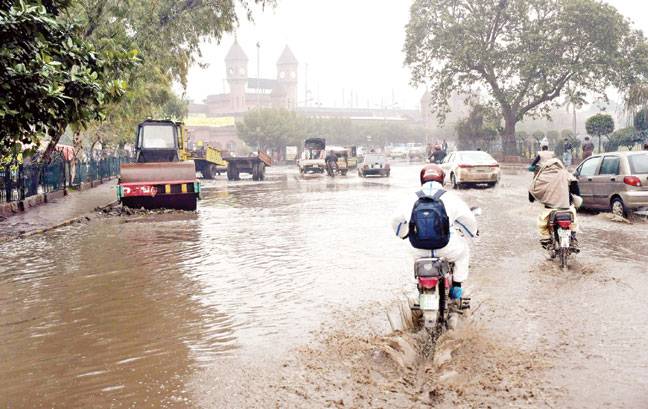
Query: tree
x=522 y=52
x=600 y=125
x=270 y=129
x=623 y=137
x=478 y=130
x=50 y=77
x=553 y=136
x=567 y=133
x=168 y=35
x=574 y=99
x=640 y=121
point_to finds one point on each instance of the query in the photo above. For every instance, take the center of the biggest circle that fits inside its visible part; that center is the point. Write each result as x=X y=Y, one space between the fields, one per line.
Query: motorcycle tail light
x=632 y=181
x=428 y=282
x=564 y=224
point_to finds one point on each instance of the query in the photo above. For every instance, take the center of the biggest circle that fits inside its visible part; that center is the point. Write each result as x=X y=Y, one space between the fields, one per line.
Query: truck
x=209 y=161
x=312 y=161
x=255 y=164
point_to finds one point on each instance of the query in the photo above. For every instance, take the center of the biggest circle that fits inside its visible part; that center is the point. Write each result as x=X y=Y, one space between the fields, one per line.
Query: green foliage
x=599 y=125
x=641 y=121
x=567 y=133
x=538 y=135
x=478 y=130
x=623 y=137
x=277 y=128
x=50 y=77
x=167 y=35
x=270 y=128
x=524 y=52
x=553 y=136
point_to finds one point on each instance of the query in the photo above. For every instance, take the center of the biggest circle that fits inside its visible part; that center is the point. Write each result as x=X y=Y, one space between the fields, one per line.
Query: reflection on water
x=118 y=313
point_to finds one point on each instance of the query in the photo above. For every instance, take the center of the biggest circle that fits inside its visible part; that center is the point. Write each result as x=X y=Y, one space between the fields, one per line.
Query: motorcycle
x=434 y=279
x=331 y=169
x=560 y=244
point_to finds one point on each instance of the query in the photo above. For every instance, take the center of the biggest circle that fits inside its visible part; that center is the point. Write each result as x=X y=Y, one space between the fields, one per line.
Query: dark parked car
x=616 y=181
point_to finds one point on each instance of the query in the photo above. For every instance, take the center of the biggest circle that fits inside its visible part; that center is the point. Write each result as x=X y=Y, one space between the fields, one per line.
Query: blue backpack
x=429 y=226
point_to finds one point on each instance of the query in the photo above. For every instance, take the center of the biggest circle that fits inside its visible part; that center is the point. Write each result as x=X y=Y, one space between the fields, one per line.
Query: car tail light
x=495 y=165
x=464 y=166
x=564 y=224
x=428 y=282
x=632 y=181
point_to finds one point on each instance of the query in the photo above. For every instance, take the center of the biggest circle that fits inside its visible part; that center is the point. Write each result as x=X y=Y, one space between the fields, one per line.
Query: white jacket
x=460 y=216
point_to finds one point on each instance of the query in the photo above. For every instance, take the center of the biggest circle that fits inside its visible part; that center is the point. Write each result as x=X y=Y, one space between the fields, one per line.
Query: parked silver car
x=616 y=181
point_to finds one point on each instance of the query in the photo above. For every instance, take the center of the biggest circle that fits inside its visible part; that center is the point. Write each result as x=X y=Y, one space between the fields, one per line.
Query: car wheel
x=618 y=208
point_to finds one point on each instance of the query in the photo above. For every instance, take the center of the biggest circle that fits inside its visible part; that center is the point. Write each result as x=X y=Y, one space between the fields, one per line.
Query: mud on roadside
x=470 y=368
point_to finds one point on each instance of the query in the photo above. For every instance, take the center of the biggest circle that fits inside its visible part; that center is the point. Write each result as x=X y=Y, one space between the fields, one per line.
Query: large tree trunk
x=508 y=137
x=51 y=146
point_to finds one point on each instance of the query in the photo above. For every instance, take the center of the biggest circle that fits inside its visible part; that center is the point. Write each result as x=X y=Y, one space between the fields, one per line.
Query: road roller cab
x=161 y=177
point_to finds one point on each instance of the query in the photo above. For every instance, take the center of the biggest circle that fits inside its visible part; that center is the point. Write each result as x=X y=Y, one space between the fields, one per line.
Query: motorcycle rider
x=461 y=220
x=556 y=189
x=331 y=162
x=543 y=156
x=438 y=154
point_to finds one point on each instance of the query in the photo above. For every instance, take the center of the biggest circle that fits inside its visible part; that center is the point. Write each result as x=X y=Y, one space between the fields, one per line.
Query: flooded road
x=210 y=309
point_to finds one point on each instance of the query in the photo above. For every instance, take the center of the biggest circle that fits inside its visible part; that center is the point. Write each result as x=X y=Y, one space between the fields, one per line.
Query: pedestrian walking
x=567 y=153
x=588 y=148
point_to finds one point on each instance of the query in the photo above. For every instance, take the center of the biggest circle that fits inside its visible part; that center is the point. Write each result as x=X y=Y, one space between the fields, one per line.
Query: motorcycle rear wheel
x=564 y=252
x=443 y=315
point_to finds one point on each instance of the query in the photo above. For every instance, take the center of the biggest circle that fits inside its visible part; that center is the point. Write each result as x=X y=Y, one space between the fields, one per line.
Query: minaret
x=237 y=76
x=287 y=67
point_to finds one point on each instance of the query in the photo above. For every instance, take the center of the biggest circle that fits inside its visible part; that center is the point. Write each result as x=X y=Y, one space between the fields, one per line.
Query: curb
x=65 y=223
x=20 y=206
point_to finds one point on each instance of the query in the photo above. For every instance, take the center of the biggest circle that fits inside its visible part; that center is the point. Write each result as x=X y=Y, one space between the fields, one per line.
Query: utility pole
x=258 y=84
x=306 y=86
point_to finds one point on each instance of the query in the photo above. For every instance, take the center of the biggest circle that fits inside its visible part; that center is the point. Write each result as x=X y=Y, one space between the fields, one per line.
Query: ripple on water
x=123 y=308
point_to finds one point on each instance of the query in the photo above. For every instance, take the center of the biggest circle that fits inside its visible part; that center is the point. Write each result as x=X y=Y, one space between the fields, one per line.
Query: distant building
x=247 y=92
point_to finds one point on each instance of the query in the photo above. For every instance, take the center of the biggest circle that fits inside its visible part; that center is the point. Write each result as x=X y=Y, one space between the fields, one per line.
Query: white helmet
x=544 y=142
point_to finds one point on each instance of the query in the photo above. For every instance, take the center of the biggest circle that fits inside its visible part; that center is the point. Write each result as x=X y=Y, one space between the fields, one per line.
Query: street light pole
x=258 y=87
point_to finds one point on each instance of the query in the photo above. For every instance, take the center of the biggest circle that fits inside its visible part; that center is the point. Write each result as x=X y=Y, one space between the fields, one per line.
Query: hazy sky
x=349 y=46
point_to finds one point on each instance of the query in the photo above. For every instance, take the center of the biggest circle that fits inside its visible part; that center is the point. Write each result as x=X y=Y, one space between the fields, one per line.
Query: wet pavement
x=74 y=204
x=210 y=309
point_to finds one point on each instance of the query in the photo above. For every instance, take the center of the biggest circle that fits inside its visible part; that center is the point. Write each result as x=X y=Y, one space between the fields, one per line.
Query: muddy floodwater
x=275 y=294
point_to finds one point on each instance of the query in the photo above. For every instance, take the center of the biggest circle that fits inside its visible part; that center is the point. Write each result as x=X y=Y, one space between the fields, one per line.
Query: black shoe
x=546 y=244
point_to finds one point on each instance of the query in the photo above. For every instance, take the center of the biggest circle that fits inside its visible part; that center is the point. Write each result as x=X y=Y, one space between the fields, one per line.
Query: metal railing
x=20 y=181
